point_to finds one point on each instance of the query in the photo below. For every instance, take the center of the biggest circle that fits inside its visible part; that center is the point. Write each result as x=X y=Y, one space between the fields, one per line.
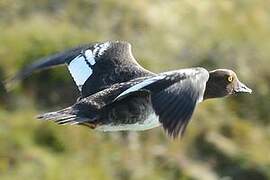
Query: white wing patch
x=101 y=48
x=90 y=57
x=140 y=85
x=81 y=66
x=79 y=70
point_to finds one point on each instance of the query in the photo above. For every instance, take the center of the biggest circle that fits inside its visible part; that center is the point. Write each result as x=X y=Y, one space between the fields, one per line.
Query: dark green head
x=223 y=82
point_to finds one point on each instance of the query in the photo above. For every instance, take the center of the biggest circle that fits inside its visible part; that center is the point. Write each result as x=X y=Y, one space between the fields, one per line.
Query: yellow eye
x=230 y=78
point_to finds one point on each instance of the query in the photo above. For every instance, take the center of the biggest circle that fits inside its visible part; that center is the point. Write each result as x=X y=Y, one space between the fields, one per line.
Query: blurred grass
x=226 y=139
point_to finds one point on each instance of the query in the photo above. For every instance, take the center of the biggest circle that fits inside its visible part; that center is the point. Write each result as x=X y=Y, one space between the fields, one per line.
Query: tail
x=43 y=63
x=65 y=116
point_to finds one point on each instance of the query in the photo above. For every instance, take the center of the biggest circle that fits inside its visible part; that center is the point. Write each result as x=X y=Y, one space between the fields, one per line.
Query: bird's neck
x=213 y=90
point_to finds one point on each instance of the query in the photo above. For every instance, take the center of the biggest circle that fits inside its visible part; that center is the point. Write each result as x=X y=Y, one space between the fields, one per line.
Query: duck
x=118 y=94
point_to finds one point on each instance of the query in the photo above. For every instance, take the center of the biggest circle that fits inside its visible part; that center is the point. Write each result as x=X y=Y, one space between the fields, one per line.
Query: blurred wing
x=175 y=105
x=45 y=63
x=94 y=66
x=175 y=95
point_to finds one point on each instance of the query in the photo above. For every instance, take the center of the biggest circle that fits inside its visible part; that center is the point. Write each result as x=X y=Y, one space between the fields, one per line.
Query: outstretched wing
x=175 y=95
x=94 y=66
x=176 y=104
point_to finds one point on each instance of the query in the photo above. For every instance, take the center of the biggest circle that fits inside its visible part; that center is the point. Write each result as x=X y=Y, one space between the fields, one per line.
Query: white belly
x=151 y=122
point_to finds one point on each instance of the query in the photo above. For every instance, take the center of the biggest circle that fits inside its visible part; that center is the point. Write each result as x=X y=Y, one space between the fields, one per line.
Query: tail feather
x=65 y=116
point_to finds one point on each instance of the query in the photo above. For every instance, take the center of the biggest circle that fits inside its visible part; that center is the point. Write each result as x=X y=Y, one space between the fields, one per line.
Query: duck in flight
x=117 y=94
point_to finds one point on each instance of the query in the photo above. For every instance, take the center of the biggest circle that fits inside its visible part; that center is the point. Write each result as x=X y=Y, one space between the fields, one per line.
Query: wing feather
x=174 y=96
x=176 y=104
x=93 y=67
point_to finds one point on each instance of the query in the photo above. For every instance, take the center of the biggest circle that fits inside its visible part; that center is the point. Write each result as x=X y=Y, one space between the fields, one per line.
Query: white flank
x=151 y=122
x=141 y=85
x=90 y=57
x=79 y=70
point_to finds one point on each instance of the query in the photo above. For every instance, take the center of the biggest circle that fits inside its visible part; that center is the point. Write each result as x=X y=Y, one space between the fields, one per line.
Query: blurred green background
x=226 y=139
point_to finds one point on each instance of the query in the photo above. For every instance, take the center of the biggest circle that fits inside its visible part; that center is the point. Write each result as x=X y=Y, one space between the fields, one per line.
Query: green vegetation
x=227 y=138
